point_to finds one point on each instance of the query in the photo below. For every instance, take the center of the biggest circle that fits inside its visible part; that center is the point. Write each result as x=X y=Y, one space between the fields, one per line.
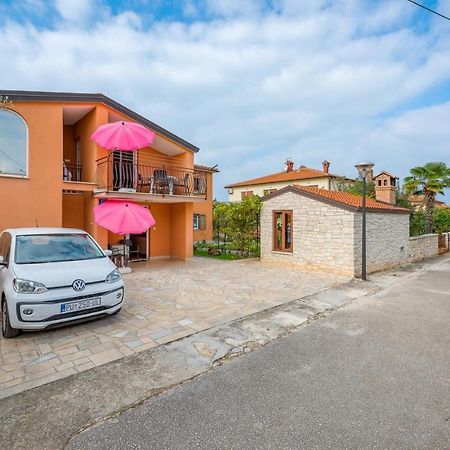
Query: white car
x=52 y=276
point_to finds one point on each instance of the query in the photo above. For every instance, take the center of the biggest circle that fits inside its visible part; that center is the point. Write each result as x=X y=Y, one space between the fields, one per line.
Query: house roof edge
x=332 y=202
x=36 y=96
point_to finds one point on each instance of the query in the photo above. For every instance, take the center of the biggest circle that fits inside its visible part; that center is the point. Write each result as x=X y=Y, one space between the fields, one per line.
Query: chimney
x=385 y=187
x=289 y=165
x=326 y=166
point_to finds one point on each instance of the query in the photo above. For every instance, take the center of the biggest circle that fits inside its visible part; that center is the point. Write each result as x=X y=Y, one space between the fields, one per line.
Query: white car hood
x=60 y=274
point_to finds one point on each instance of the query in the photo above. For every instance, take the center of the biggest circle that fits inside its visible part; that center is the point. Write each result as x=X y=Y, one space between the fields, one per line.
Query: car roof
x=38 y=230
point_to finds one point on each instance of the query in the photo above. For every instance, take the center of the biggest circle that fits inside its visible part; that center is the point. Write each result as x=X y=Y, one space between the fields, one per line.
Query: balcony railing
x=72 y=172
x=115 y=173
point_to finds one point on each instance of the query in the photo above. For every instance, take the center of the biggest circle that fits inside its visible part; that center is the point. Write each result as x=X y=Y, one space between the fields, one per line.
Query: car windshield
x=45 y=248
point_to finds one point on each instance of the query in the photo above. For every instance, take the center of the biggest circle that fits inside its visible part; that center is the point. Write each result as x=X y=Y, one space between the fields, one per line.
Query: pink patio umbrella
x=123 y=136
x=122 y=217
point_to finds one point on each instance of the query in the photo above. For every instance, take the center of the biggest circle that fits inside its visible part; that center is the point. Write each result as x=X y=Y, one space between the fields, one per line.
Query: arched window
x=13 y=144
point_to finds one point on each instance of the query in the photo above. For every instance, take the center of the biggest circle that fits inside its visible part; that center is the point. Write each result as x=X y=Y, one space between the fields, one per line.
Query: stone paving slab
x=165 y=301
x=48 y=416
x=115 y=387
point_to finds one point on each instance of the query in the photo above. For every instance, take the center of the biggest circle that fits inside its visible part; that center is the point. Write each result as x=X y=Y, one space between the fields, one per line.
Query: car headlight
x=113 y=276
x=28 y=287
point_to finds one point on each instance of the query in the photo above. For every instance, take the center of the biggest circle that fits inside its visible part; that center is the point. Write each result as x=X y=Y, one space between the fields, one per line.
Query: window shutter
x=202 y=224
x=246 y=194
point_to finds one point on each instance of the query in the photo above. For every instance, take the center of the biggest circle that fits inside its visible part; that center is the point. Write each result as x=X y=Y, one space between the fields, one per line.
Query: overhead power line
x=20 y=165
x=429 y=9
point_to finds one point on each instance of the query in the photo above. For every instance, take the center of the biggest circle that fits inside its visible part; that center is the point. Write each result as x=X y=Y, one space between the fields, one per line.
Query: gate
x=443 y=242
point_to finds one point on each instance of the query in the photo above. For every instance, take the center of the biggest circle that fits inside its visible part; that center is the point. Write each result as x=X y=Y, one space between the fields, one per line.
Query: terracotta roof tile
x=351 y=199
x=302 y=173
x=384 y=172
x=420 y=199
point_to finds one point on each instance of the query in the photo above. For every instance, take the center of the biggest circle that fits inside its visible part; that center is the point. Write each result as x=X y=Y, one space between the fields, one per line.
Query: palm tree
x=428 y=180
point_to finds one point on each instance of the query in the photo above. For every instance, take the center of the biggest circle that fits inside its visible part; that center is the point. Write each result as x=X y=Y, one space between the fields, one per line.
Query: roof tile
x=351 y=199
x=302 y=173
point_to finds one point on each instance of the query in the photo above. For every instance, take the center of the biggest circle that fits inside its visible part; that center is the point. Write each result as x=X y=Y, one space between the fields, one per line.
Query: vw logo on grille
x=78 y=285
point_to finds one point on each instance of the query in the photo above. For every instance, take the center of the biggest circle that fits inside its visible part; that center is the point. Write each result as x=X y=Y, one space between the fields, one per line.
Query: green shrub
x=235 y=225
x=418 y=223
x=442 y=220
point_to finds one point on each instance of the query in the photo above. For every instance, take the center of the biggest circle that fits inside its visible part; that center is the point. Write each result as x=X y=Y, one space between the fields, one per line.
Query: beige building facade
x=235 y=194
x=302 y=176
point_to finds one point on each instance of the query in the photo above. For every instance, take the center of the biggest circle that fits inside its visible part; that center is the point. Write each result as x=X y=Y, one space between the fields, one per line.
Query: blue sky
x=252 y=82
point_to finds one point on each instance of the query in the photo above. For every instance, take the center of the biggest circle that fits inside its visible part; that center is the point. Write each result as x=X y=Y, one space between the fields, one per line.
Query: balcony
x=72 y=172
x=74 y=179
x=122 y=175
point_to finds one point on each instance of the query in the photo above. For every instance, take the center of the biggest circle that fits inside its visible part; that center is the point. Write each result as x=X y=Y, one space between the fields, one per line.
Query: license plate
x=82 y=304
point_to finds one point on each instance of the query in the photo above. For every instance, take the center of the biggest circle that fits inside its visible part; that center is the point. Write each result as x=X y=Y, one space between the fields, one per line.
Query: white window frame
x=11 y=175
x=196 y=222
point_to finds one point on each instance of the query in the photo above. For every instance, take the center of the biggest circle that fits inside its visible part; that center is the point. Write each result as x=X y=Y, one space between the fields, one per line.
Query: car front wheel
x=7 y=330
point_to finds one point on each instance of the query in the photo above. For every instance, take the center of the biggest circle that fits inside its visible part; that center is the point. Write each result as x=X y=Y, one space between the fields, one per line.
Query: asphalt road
x=372 y=375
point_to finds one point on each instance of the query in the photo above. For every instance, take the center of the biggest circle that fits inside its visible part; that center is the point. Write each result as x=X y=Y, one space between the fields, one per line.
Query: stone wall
x=424 y=246
x=328 y=238
x=446 y=243
x=387 y=240
x=323 y=235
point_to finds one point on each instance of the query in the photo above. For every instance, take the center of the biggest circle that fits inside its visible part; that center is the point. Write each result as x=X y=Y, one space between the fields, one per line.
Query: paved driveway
x=165 y=300
x=373 y=375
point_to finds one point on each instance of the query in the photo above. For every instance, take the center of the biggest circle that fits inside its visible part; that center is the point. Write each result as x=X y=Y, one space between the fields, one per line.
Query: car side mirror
x=108 y=253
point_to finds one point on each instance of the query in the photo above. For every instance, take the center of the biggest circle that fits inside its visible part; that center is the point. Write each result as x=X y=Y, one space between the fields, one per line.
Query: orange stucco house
x=53 y=174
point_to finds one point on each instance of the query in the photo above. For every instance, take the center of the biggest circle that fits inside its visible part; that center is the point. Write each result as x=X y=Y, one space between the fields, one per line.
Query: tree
x=355 y=187
x=402 y=199
x=242 y=222
x=220 y=221
x=238 y=222
x=428 y=180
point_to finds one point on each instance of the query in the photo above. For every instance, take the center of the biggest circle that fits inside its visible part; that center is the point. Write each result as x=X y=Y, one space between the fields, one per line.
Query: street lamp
x=363 y=170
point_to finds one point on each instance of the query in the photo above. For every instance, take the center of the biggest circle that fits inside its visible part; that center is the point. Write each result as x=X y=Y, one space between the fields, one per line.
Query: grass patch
x=221 y=256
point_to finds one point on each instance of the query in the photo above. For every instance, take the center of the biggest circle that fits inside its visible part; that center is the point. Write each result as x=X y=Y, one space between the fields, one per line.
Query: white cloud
x=230 y=8
x=76 y=10
x=313 y=81
x=418 y=136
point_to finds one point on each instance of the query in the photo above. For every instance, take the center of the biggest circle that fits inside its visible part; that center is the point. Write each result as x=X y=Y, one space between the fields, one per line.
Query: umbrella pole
x=127 y=254
x=125 y=268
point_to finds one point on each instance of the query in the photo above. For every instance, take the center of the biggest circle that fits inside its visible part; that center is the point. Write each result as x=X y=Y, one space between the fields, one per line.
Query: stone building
x=318 y=229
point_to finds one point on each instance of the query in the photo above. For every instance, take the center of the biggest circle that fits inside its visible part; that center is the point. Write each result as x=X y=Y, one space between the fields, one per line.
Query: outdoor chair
x=143 y=183
x=67 y=174
x=183 y=184
x=131 y=250
x=199 y=185
x=160 y=180
x=118 y=256
x=127 y=243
